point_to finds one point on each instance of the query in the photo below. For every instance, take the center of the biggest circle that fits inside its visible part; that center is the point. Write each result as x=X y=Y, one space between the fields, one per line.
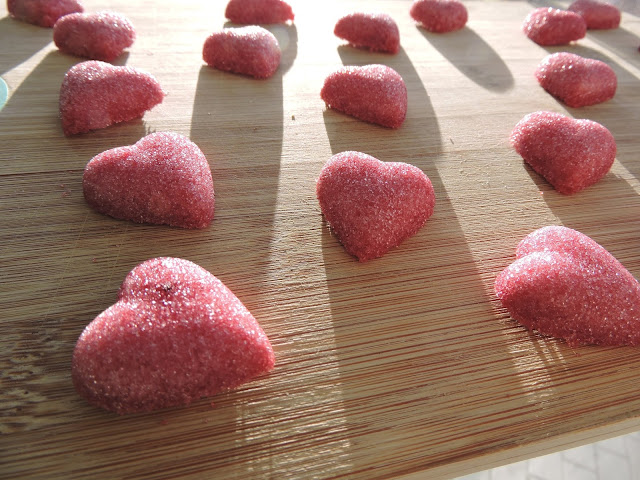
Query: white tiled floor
x=614 y=459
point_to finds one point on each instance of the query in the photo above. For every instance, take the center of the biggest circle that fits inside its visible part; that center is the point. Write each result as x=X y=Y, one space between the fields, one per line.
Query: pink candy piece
x=565 y=285
x=95 y=95
x=163 y=179
x=597 y=15
x=373 y=93
x=550 y=26
x=439 y=16
x=373 y=206
x=43 y=13
x=575 y=80
x=100 y=36
x=570 y=154
x=252 y=12
x=176 y=334
x=248 y=50
x=374 y=31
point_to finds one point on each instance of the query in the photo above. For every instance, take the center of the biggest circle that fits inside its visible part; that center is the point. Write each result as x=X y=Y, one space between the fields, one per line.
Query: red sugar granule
x=164 y=179
x=250 y=12
x=96 y=94
x=597 y=15
x=550 y=26
x=374 y=31
x=439 y=16
x=99 y=36
x=565 y=285
x=570 y=154
x=373 y=93
x=373 y=206
x=176 y=334
x=250 y=50
x=43 y=13
x=575 y=80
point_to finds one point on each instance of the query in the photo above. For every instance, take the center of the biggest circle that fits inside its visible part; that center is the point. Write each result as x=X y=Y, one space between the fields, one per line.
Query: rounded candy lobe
x=44 y=13
x=439 y=16
x=550 y=26
x=597 y=15
x=252 y=12
x=374 y=31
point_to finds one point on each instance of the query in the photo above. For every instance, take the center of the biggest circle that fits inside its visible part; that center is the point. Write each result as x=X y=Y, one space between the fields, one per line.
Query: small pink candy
x=374 y=31
x=439 y=16
x=550 y=26
x=99 y=36
x=597 y=15
x=43 y=13
x=250 y=50
x=251 y=12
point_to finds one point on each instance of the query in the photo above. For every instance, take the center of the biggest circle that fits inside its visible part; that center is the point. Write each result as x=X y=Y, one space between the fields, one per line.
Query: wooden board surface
x=405 y=365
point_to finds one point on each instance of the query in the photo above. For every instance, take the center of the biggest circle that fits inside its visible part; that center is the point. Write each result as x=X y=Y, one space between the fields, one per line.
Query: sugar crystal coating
x=163 y=179
x=570 y=154
x=251 y=12
x=550 y=26
x=176 y=334
x=575 y=80
x=374 y=31
x=373 y=93
x=439 y=16
x=373 y=206
x=43 y=13
x=597 y=15
x=96 y=94
x=99 y=36
x=250 y=50
x=566 y=285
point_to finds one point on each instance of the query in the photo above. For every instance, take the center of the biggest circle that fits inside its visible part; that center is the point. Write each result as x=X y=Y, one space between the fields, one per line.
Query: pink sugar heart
x=96 y=95
x=43 y=13
x=550 y=26
x=163 y=179
x=597 y=15
x=373 y=206
x=439 y=16
x=99 y=36
x=252 y=12
x=575 y=80
x=373 y=93
x=570 y=154
x=374 y=31
x=176 y=334
x=250 y=50
x=565 y=285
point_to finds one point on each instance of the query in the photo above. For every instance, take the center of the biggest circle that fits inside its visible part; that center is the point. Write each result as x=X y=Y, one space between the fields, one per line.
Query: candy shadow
x=472 y=56
x=20 y=41
x=619 y=40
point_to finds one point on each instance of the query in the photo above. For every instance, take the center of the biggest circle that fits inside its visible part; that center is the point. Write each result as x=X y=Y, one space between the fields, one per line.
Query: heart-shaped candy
x=550 y=26
x=96 y=94
x=597 y=15
x=374 y=31
x=100 y=36
x=373 y=206
x=43 y=13
x=164 y=179
x=570 y=154
x=253 y=12
x=176 y=334
x=439 y=16
x=575 y=80
x=373 y=93
x=565 y=285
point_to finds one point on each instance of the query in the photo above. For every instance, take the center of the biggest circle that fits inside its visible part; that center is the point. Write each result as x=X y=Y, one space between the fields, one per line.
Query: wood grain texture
x=403 y=366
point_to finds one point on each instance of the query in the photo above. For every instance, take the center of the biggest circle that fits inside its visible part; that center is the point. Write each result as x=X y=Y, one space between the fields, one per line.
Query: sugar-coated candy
x=570 y=154
x=96 y=94
x=373 y=93
x=564 y=284
x=251 y=12
x=164 y=179
x=373 y=206
x=439 y=16
x=175 y=335
x=597 y=15
x=374 y=31
x=250 y=50
x=43 y=13
x=550 y=26
x=99 y=36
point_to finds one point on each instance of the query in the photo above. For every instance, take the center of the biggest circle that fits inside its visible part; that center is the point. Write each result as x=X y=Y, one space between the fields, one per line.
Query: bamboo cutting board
x=405 y=366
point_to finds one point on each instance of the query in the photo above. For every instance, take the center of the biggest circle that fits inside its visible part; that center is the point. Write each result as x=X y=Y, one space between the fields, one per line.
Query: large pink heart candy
x=565 y=285
x=373 y=206
x=377 y=32
x=551 y=26
x=176 y=334
x=570 y=154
